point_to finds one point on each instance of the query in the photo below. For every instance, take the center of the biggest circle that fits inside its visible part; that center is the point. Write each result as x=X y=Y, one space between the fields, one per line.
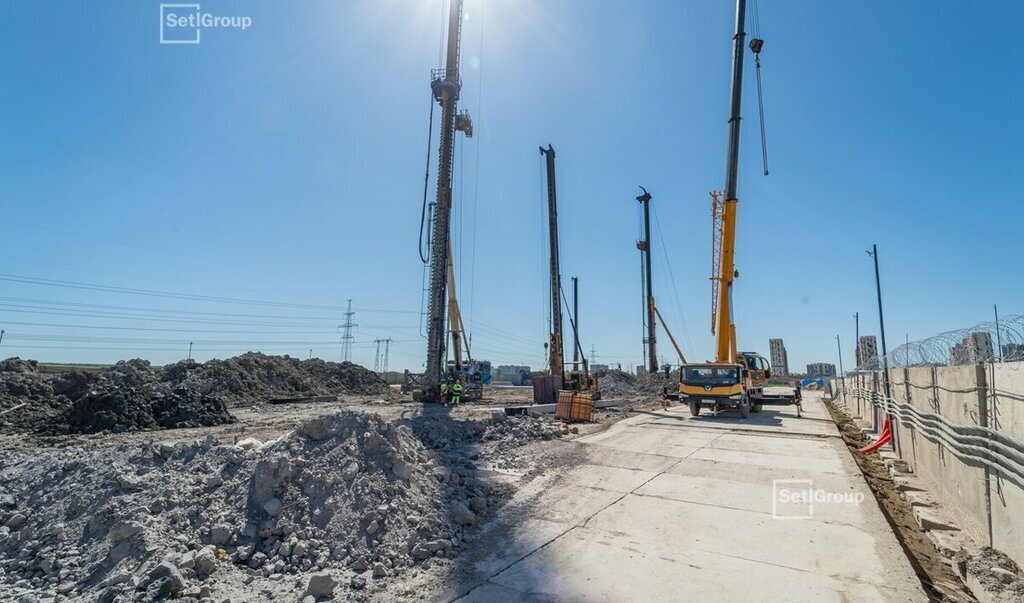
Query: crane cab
x=713 y=385
x=756 y=367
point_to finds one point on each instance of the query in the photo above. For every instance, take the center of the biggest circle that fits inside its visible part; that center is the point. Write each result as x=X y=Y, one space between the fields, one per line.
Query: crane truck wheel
x=745 y=408
x=755 y=408
x=694 y=408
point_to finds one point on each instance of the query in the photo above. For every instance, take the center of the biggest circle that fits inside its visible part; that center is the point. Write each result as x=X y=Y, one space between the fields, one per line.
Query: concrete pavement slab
x=660 y=509
x=601 y=477
x=829 y=464
x=668 y=575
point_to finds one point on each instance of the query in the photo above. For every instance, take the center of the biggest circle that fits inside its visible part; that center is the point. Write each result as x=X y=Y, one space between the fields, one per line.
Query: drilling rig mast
x=446 y=85
x=645 y=248
x=555 y=350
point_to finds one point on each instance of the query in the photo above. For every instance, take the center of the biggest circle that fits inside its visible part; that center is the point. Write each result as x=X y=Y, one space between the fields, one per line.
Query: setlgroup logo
x=797 y=498
x=184 y=23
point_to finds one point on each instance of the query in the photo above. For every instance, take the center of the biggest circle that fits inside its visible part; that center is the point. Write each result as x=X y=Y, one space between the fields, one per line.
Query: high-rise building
x=958 y=354
x=821 y=369
x=1013 y=351
x=976 y=347
x=780 y=362
x=867 y=352
x=979 y=347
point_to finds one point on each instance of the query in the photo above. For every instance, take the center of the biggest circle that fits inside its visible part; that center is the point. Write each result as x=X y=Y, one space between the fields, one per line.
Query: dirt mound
x=17 y=365
x=349 y=494
x=27 y=399
x=133 y=395
x=256 y=377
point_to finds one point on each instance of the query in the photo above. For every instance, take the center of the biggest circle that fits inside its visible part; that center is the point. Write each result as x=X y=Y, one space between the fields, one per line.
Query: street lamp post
x=885 y=353
x=842 y=373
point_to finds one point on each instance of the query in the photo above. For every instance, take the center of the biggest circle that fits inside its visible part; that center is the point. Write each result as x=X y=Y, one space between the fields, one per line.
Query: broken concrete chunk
x=173 y=582
x=1005 y=576
x=272 y=506
x=928 y=519
x=206 y=561
x=321 y=585
x=123 y=531
x=187 y=560
x=249 y=444
x=16 y=521
x=220 y=534
x=257 y=560
x=462 y=515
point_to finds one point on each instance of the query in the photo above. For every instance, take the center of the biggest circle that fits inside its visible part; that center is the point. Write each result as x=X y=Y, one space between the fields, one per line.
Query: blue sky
x=283 y=165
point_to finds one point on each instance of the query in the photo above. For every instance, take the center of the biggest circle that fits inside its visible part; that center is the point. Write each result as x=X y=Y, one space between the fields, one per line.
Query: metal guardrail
x=442 y=74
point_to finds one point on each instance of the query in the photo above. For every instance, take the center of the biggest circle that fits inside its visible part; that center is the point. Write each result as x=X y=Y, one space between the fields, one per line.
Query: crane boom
x=725 y=344
x=734 y=379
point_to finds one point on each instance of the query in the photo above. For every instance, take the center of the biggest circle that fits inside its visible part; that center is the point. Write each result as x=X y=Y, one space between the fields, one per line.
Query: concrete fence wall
x=985 y=395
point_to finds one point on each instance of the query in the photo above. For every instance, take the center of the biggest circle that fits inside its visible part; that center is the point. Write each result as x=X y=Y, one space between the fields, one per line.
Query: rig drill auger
x=445 y=85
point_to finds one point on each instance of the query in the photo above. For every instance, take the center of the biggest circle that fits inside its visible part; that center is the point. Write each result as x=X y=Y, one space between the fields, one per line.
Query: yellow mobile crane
x=734 y=380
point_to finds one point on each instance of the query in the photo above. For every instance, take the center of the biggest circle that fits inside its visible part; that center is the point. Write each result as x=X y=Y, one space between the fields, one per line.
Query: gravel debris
x=344 y=502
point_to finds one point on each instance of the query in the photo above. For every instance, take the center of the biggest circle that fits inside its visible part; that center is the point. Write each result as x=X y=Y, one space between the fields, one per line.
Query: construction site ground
x=662 y=506
x=644 y=503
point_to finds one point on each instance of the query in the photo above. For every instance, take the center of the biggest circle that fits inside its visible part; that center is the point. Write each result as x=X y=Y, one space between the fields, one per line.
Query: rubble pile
x=619 y=383
x=26 y=398
x=344 y=499
x=616 y=383
x=993 y=571
x=256 y=377
x=133 y=395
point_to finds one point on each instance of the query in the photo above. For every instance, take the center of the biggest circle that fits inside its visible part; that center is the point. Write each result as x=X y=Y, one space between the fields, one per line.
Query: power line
x=170 y=294
x=111 y=328
x=154 y=293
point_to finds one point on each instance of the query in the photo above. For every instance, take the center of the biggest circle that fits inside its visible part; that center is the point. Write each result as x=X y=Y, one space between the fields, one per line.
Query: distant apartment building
x=780 y=362
x=821 y=369
x=867 y=352
x=975 y=347
x=515 y=374
x=1013 y=351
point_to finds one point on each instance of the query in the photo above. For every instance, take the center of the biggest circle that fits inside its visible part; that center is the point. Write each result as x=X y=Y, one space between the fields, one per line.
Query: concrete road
x=666 y=507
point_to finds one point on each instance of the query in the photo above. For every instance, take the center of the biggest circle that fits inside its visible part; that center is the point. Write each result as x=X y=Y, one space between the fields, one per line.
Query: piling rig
x=446 y=86
x=577 y=383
